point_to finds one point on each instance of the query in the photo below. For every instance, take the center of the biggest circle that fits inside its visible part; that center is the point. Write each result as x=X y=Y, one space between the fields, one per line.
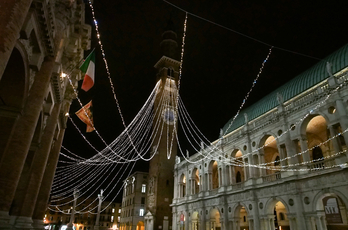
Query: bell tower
x=164 y=149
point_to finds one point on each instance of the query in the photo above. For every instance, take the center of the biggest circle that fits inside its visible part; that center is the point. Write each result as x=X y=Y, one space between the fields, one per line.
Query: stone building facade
x=40 y=43
x=134 y=201
x=294 y=141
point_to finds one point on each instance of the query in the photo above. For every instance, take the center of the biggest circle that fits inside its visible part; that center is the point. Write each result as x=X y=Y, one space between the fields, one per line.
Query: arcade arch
x=237 y=172
x=182 y=186
x=213 y=175
x=271 y=154
x=214 y=219
x=13 y=92
x=276 y=216
x=140 y=225
x=330 y=212
x=240 y=218
x=195 y=221
x=195 y=181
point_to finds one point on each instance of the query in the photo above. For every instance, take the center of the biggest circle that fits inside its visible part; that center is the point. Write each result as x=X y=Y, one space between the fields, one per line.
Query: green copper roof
x=297 y=85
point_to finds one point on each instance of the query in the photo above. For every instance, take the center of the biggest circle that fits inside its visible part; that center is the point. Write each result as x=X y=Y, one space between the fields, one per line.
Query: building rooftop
x=297 y=85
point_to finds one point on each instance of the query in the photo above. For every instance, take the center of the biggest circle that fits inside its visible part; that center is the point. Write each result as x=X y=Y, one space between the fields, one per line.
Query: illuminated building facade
x=281 y=164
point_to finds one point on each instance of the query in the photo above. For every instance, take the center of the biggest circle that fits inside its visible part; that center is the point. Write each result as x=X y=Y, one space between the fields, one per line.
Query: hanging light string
x=250 y=90
x=108 y=71
x=241 y=34
x=266 y=144
x=93 y=175
x=178 y=88
x=145 y=110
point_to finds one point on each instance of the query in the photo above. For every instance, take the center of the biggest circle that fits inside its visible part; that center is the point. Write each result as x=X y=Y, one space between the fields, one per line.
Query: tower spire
x=169 y=44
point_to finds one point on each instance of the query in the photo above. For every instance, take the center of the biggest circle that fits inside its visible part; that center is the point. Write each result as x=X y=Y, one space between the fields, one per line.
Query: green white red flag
x=88 y=67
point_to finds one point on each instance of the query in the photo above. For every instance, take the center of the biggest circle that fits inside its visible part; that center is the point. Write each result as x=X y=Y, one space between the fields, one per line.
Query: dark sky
x=219 y=65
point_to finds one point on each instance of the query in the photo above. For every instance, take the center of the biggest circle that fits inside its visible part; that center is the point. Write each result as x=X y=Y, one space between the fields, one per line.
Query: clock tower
x=161 y=172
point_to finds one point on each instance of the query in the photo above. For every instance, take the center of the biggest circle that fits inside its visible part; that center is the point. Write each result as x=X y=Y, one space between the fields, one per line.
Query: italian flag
x=88 y=67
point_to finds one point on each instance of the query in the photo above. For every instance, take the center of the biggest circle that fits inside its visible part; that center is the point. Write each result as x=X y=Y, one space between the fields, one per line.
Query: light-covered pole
x=100 y=196
x=72 y=216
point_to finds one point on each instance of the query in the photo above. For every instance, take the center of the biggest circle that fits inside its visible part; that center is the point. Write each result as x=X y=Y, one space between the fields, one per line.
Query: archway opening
x=215 y=175
x=331 y=212
x=196 y=181
x=271 y=154
x=238 y=169
x=214 y=221
x=281 y=222
x=182 y=186
x=12 y=82
x=195 y=221
x=317 y=133
x=140 y=225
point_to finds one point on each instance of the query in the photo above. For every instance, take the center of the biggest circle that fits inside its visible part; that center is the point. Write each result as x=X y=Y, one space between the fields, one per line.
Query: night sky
x=219 y=65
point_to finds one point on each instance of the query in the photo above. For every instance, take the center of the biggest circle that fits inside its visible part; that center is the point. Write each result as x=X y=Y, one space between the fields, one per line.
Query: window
x=143 y=200
x=113 y=210
x=143 y=188
x=118 y=219
x=141 y=212
x=112 y=218
x=119 y=210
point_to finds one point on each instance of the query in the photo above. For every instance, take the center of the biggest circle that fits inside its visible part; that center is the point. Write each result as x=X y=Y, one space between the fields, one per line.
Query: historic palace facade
x=282 y=163
x=41 y=43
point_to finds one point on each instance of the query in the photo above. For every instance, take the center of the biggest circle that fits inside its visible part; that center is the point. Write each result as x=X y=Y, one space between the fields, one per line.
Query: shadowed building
x=40 y=42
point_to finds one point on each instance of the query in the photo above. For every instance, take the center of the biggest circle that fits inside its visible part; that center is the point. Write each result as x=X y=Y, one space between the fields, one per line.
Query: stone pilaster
x=25 y=205
x=11 y=167
x=42 y=200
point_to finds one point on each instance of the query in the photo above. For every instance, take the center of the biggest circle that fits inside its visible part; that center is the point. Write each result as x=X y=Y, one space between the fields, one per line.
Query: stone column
x=221 y=177
x=251 y=224
x=282 y=153
x=24 y=206
x=228 y=181
x=291 y=150
x=11 y=167
x=71 y=223
x=262 y=161
x=210 y=181
x=235 y=224
x=176 y=186
x=202 y=219
x=200 y=183
x=174 y=221
x=246 y=169
x=309 y=222
x=100 y=197
x=319 y=223
x=335 y=143
x=186 y=220
x=233 y=175
x=13 y=14
x=255 y=215
x=342 y=112
x=250 y=167
x=46 y=184
x=180 y=190
x=193 y=186
x=304 y=147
